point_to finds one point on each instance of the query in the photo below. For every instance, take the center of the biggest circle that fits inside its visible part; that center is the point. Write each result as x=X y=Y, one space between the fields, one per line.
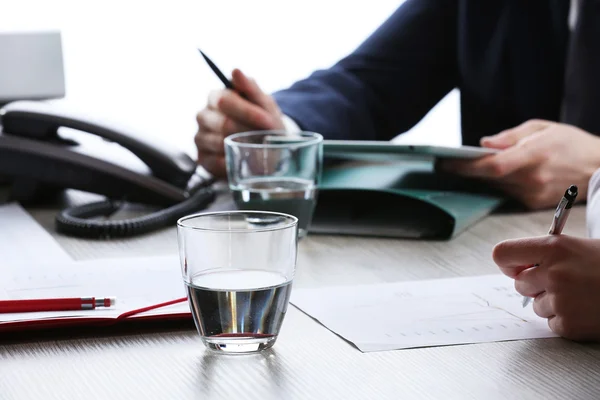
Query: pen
x=560 y=218
x=62 y=304
x=217 y=71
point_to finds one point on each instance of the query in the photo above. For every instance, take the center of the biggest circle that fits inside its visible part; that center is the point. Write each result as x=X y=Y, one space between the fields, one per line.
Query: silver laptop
x=32 y=66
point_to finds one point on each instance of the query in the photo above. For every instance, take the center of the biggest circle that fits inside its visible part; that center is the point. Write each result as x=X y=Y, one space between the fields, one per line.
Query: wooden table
x=309 y=361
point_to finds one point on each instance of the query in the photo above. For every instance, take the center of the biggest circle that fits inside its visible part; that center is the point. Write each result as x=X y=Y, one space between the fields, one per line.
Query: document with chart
x=423 y=313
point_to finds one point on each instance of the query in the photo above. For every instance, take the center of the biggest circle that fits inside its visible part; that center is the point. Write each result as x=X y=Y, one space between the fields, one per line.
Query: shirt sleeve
x=291 y=127
x=593 y=206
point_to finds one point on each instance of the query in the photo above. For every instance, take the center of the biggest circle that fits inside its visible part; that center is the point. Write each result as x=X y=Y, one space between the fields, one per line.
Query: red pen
x=63 y=304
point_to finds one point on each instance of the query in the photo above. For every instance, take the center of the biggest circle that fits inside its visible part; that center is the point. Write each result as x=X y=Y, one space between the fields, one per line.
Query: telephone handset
x=44 y=145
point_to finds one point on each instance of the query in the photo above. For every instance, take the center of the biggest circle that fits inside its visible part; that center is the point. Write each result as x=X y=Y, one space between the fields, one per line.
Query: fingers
x=527 y=251
x=242 y=111
x=532 y=281
x=511 y=137
x=213 y=121
x=516 y=153
x=495 y=166
x=564 y=285
x=555 y=324
x=575 y=325
x=253 y=92
x=213 y=163
x=513 y=272
x=543 y=305
x=514 y=253
x=209 y=142
x=227 y=112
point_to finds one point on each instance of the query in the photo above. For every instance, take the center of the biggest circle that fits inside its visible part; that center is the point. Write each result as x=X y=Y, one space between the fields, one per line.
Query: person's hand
x=228 y=112
x=538 y=162
x=565 y=284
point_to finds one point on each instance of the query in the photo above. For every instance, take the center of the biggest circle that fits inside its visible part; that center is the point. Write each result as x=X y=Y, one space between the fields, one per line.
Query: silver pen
x=560 y=218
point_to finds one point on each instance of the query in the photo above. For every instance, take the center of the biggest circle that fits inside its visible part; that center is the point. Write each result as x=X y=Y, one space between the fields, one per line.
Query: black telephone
x=47 y=146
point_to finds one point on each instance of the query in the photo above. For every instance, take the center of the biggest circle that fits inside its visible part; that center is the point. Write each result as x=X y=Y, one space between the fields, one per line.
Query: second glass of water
x=238 y=268
x=276 y=171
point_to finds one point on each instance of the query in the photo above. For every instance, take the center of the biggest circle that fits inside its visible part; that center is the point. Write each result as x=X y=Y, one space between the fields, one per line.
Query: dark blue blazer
x=506 y=57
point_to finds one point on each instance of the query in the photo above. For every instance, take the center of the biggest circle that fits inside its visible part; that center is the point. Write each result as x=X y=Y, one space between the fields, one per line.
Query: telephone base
x=31 y=192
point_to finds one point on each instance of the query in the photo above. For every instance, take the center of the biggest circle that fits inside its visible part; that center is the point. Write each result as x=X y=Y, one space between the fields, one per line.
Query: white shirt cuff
x=290 y=125
x=592 y=217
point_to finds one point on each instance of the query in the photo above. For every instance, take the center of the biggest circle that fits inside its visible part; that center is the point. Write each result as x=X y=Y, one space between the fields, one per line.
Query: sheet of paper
x=423 y=313
x=23 y=240
x=135 y=282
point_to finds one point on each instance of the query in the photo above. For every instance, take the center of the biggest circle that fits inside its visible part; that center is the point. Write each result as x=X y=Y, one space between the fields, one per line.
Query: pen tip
x=571 y=193
x=573 y=189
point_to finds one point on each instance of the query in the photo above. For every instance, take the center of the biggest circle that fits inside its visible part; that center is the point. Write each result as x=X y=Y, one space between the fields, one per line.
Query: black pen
x=217 y=71
x=560 y=218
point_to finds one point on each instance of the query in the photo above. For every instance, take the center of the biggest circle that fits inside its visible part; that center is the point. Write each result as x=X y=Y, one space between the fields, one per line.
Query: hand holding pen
x=566 y=279
x=559 y=219
x=241 y=106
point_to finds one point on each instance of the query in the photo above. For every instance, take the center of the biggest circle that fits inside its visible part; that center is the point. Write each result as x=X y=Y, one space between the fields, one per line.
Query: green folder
x=407 y=199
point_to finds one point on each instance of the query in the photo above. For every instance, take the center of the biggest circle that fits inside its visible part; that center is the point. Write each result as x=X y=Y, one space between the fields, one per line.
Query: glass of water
x=276 y=171
x=238 y=268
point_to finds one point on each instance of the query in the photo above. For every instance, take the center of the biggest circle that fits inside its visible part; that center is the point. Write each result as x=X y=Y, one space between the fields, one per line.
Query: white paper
x=424 y=313
x=23 y=240
x=135 y=282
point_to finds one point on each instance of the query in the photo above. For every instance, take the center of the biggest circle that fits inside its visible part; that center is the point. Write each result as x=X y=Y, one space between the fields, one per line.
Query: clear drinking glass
x=238 y=268
x=276 y=171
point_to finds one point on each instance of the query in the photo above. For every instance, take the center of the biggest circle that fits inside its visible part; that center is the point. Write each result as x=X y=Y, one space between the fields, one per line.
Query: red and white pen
x=62 y=304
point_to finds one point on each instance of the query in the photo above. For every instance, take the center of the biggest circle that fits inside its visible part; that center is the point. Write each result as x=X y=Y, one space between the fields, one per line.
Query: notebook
x=405 y=198
x=146 y=289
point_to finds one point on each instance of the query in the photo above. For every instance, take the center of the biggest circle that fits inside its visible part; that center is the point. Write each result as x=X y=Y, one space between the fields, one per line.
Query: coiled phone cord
x=74 y=221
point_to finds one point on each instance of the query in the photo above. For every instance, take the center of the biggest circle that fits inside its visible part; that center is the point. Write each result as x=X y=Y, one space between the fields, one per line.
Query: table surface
x=309 y=361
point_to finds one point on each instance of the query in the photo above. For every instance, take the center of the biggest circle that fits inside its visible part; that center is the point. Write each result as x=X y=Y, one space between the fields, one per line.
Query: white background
x=137 y=61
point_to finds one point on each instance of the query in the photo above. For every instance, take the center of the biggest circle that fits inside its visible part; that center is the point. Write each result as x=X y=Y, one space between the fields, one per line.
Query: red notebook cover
x=103 y=321
x=148 y=289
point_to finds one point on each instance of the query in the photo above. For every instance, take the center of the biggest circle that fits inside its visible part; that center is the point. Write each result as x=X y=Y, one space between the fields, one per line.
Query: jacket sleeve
x=388 y=83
